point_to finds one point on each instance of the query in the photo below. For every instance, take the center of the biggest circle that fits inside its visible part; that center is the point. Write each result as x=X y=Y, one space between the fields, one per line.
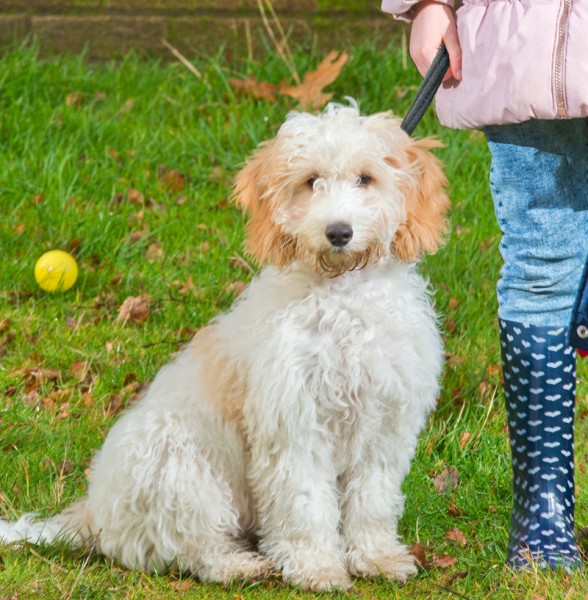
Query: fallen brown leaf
x=459 y=575
x=485 y=388
x=81 y=371
x=453 y=304
x=173 y=181
x=184 y=287
x=456 y=535
x=57 y=399
x=74 y=98
x=6 y=340
x=34 y=378
x=4 y=324
x=445 y=561
x=453 y=360
x=138 y=216
x=454 y=511
x=30 y=398
x=114 y=404
x=310 y=92
x=236 y=288
x=495 y=370
x=181 y=586
x=464 y=439
x=154 y=253
x=420 y=555
x=135 y=309
x=117 y=402
x=127 y=106
x=448 y=479
x=88 y=399
x=115 y=156
x=135 y=197
x=241 y=263
x=253 y=87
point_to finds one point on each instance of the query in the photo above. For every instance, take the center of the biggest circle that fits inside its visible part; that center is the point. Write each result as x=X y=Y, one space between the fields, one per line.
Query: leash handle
x=427 y=90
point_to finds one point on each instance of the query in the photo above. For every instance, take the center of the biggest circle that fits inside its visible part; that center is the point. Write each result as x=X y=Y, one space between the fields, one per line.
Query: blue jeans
x=539 y=182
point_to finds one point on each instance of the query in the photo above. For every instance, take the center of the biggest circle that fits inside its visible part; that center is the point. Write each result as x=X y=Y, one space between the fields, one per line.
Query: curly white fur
x=293 y=418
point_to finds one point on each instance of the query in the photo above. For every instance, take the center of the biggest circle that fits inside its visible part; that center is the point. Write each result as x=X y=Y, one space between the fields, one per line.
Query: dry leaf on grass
x=453 y=304
x=135 y=197
x=154 y=253
x=135 y=309
x=127 y=106
x=235 y=288
x=81 y=370
x=6 y=339
x=454 y=510
x=173 y=181
x=310 y=92
x=4 y=324
x=445 y=561
x=456 y=535
x=184 y=287
x=253 y=87
x=238 y=261
x=464 y=439
x=117 y=402
x=419 y=551
x=494 y=370
x=448 y=479
x=34 y=378
x=181 y=586
x=75 y=98
x=485 y=388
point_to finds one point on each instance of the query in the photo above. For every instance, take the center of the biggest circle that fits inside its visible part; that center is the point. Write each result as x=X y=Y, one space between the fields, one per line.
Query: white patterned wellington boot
x=539 y=370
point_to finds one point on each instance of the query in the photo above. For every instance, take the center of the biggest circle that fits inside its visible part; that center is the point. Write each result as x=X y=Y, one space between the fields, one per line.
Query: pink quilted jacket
x=522 y=59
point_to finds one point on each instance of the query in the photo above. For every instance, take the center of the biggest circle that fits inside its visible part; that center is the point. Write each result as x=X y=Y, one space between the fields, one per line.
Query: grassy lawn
x=129 y=167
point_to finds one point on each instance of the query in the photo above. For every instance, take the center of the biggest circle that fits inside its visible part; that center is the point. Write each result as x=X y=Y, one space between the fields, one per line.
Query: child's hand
x=434 y=23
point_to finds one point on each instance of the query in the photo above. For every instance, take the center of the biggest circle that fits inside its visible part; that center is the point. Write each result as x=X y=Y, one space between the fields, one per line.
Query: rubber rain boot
x=539 y=369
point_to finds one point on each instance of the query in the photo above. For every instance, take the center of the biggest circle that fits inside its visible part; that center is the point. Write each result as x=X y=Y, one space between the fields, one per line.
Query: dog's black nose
x=339 y=234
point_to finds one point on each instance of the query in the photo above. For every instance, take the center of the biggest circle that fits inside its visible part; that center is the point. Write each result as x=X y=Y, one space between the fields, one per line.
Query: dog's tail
x=72 y=527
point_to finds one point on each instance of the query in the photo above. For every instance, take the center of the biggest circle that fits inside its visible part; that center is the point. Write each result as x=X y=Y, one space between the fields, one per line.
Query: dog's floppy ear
x=426 y=201
x=265 y=239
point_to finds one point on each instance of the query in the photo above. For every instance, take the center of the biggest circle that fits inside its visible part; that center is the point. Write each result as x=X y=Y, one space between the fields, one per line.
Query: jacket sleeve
x=404 y=10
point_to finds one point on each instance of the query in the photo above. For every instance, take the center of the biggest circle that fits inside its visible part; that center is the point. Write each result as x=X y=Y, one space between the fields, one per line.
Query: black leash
x=427 y=90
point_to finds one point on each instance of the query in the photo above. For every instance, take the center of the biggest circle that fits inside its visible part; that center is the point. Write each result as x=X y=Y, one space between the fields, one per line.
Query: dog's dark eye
x=311 y=181
x=364 y=180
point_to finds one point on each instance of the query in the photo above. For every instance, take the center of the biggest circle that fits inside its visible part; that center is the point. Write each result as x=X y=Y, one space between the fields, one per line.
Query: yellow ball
x=56 y=271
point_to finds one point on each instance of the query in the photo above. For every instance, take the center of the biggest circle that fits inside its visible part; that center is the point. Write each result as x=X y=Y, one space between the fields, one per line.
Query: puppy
x=292 y=419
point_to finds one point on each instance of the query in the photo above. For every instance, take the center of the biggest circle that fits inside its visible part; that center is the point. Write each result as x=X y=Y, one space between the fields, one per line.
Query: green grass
x=86 y=153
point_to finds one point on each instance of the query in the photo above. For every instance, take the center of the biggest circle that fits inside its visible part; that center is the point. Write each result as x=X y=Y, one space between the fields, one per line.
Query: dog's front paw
x=321 y=579
x=234 y=567
x=395 y=563
x=315 y=570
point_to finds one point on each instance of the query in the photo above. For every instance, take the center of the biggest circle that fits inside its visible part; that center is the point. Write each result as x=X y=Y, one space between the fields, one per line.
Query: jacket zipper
x=559 y=59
